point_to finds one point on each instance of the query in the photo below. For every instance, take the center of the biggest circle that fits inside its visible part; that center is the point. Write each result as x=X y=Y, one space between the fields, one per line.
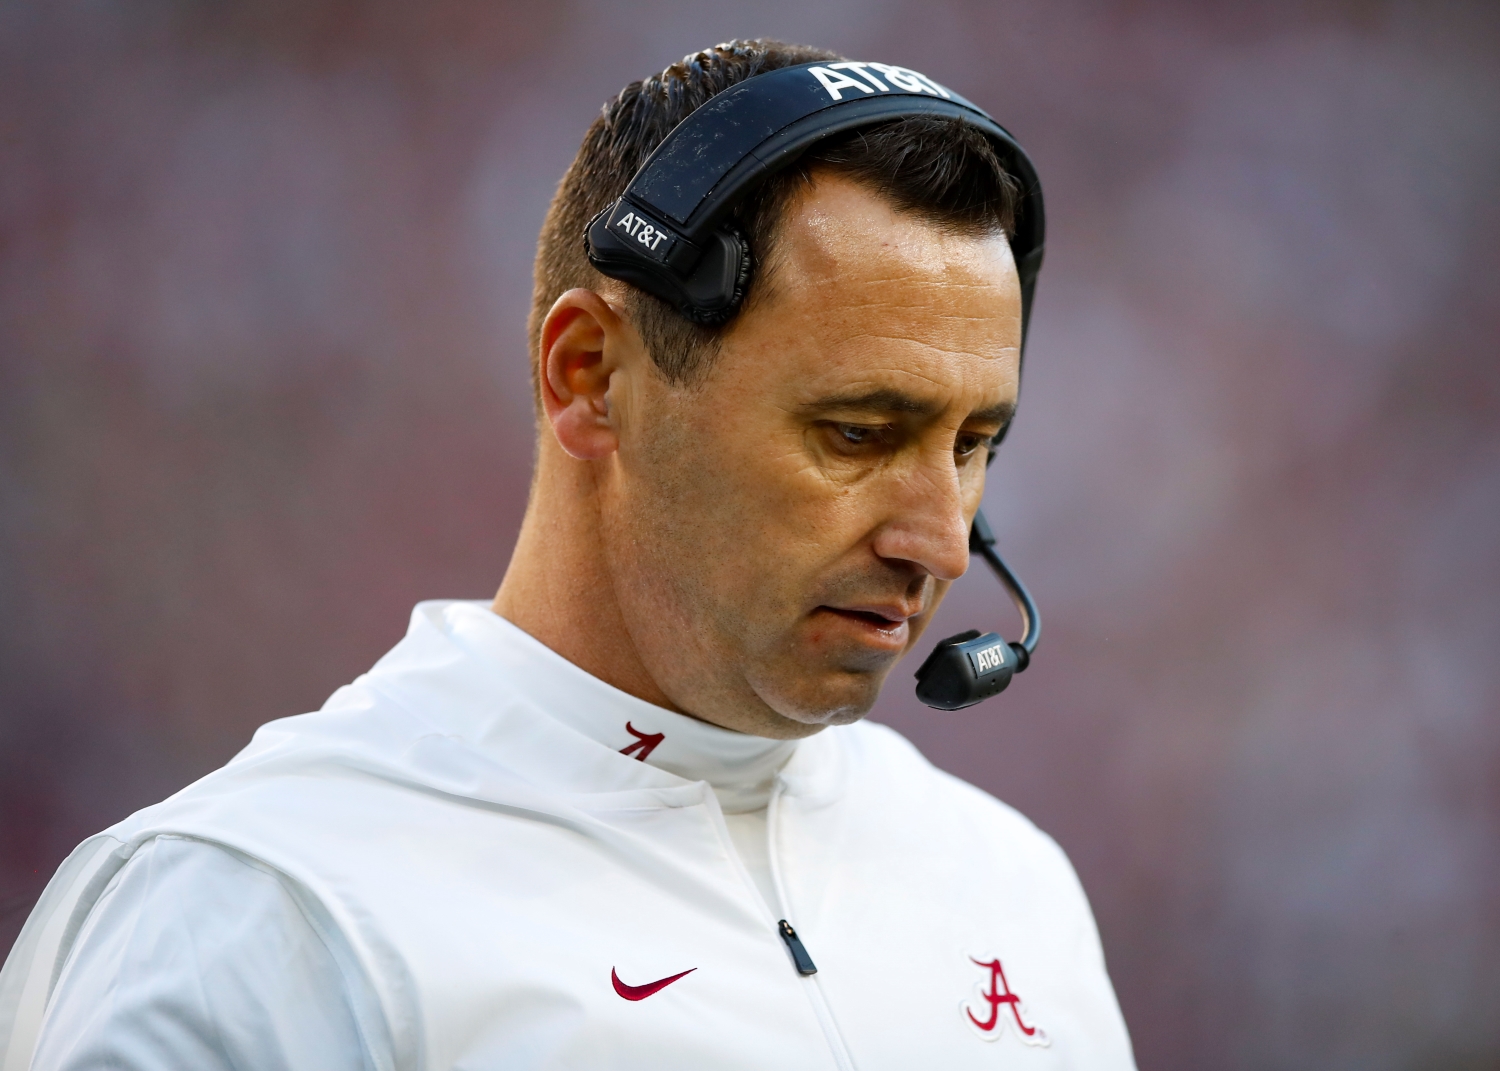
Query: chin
x=829 y=698
x=836 y=717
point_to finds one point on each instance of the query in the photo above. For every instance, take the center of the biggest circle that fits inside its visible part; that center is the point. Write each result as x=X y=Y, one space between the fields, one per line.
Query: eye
x=968 y=442
x=858 y=435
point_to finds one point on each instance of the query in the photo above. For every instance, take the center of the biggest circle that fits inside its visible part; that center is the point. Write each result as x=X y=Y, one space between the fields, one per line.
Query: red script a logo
x=991 y=1024
x=645 y=743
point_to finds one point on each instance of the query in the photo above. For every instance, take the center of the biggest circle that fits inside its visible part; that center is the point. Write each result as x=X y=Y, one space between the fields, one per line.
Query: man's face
x=781 y=531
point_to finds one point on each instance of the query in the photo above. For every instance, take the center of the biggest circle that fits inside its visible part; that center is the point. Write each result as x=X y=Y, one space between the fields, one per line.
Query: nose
x=926 y=526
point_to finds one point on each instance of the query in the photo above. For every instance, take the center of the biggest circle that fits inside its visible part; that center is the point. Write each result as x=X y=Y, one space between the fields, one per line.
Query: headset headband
x=670 y=233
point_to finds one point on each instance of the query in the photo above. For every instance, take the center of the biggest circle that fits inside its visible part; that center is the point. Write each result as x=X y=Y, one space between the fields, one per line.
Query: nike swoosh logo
x=641 y=992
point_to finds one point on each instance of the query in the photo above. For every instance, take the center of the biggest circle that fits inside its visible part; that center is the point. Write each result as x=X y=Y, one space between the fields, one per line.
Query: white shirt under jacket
x=449 y=865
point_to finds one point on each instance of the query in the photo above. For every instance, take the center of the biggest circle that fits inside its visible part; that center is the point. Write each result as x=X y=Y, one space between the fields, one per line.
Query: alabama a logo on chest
x=995 y=1008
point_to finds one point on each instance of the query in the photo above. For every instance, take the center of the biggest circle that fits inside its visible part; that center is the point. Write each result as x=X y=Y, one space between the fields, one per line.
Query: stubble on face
x=770 y=581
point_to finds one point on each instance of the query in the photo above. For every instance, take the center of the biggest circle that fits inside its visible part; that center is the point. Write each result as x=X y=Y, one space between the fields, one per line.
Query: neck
x=558 y=587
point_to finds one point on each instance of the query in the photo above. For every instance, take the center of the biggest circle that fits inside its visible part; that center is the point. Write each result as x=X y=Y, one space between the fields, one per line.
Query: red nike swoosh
x=641 y=992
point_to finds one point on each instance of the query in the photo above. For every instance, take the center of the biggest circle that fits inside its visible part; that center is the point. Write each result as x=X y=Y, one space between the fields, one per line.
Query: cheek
x=694 y=522
x=766 y=494
x=732 y=525
x=972 y=487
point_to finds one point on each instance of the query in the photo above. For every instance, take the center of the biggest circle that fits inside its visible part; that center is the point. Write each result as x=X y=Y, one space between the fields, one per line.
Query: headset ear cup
x=709 y=294
x=718 y=285
x=746 y=267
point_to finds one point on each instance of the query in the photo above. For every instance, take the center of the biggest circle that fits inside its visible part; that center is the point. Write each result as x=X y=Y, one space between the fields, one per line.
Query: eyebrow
x=886 y=400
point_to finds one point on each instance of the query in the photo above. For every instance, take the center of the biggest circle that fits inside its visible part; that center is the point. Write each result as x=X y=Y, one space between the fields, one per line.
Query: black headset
x=672 y=235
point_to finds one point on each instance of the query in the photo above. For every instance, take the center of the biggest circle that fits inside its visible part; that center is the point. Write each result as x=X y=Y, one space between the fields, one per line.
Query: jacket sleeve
x=197 y=957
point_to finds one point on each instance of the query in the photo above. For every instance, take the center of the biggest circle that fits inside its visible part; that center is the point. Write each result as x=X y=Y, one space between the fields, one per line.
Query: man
x=625 y=816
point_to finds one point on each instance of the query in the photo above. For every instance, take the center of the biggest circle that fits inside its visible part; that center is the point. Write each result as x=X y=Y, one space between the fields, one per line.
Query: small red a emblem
x=1000 y=1006
x=645 y=743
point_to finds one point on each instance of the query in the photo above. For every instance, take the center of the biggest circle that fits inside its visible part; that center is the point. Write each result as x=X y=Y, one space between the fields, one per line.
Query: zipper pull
x=794 y=943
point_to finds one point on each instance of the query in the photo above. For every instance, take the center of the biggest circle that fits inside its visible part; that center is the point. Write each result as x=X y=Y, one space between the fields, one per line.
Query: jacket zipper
x=794 y=943
x=800 y=957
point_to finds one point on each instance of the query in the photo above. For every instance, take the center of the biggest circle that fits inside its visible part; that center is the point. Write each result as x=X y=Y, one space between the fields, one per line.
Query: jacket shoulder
x=883 y=765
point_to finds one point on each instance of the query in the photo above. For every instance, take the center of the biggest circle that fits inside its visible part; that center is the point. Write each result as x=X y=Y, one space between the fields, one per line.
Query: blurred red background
x=264 y=269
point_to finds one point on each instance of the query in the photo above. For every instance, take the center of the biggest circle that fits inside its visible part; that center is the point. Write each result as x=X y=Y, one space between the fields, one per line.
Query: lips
x=878 y=618
x=878 y=613
x=881 y=626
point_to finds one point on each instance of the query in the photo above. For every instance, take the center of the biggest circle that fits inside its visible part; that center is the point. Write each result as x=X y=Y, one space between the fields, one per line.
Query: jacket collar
x=499 y=687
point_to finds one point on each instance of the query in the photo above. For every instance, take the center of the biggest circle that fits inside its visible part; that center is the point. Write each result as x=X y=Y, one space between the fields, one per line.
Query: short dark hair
x=941 y=169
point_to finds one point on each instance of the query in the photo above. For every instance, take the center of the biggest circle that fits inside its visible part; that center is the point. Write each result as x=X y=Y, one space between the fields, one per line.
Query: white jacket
x=494 y=884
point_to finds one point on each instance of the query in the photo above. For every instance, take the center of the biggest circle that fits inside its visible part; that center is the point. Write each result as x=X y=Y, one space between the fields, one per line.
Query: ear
x=579 y=356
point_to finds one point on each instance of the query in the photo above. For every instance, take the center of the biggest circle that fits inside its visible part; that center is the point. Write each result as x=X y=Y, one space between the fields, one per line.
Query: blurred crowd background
x=264 y=267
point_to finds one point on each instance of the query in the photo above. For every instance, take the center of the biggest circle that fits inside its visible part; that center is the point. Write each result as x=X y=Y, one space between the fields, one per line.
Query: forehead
x=855 y=287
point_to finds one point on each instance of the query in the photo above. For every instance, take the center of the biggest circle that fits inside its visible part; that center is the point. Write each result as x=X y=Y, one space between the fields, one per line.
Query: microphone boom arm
x=982 y=539
x=969 y=667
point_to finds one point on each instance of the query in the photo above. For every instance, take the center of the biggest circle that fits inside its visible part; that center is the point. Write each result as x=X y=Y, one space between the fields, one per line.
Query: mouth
x=884 y=627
